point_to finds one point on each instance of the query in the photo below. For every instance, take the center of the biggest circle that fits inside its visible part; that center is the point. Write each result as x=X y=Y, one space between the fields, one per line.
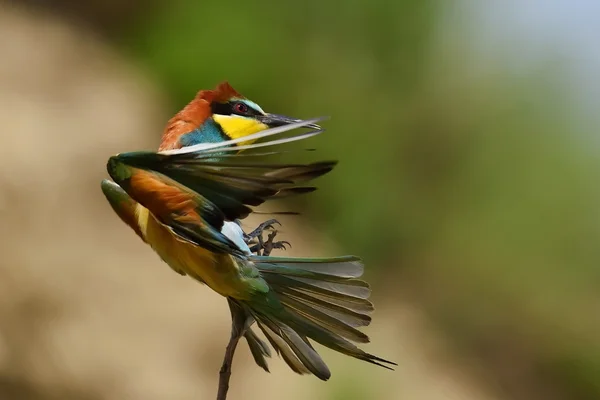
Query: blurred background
x=467 y=134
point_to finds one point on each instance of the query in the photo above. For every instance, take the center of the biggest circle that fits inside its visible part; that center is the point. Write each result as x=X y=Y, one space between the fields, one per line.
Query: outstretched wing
x=218 y=173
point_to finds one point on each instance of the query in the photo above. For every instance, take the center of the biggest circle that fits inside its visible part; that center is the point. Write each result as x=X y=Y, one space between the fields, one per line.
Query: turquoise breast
x=209 y=132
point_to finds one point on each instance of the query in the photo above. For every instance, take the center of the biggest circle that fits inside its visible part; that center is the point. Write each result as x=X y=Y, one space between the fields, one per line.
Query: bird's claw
x=265 y=226
x=281 y=245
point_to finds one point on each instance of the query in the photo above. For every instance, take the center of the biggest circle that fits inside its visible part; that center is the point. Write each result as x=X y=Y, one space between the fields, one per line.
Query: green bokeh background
x=469 y=187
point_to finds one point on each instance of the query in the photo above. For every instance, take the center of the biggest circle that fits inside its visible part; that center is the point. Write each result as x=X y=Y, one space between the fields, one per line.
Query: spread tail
x=314 y=298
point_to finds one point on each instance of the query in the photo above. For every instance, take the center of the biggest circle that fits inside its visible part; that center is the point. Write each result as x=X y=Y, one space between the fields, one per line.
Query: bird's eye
x=240 y=108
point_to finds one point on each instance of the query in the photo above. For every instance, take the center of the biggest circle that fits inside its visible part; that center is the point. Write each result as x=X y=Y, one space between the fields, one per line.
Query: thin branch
x=238 y=321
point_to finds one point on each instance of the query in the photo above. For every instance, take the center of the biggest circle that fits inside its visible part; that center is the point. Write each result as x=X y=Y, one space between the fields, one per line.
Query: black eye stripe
x=230 y=108
x=221 y=108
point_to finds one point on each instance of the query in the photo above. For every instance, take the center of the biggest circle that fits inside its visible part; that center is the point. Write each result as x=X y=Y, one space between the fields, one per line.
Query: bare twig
x=238 y=322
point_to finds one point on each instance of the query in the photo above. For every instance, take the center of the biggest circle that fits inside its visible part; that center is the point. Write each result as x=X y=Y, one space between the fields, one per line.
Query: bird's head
x=219 y=114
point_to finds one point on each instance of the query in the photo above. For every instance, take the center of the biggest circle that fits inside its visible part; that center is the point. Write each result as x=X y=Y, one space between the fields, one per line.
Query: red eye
x=240 y=108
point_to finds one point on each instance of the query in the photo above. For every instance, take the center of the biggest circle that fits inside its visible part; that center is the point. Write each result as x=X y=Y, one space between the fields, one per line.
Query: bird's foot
x=263 y=247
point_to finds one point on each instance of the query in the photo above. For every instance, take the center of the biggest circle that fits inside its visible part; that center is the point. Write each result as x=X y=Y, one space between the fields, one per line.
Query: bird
x=185 y=201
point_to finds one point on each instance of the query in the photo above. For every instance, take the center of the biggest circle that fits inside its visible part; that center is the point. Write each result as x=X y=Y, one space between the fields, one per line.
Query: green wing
x=223 y=176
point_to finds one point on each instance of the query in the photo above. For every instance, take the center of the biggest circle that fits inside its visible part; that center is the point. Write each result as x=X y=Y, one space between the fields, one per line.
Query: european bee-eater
x=184 y=200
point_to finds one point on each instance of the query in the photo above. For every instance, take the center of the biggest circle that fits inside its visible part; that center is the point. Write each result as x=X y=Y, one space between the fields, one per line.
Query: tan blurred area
x=87 y=311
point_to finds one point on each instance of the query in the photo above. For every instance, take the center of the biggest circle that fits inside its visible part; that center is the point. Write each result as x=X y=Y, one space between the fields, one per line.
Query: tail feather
x=326 y=312
x=258 y=348
x=317 y=299
x=348 y=302
x=360 y=312
x=340 y=267
x=337 y=325
x=300 y=347
x=283 y=349
x=349 y=293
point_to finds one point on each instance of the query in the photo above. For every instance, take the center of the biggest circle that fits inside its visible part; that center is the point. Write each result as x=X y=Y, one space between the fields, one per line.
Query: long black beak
x=273 y=120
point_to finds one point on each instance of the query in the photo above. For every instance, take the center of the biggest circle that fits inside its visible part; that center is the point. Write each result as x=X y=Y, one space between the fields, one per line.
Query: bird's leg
x=238 y=328
x=257 y=247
